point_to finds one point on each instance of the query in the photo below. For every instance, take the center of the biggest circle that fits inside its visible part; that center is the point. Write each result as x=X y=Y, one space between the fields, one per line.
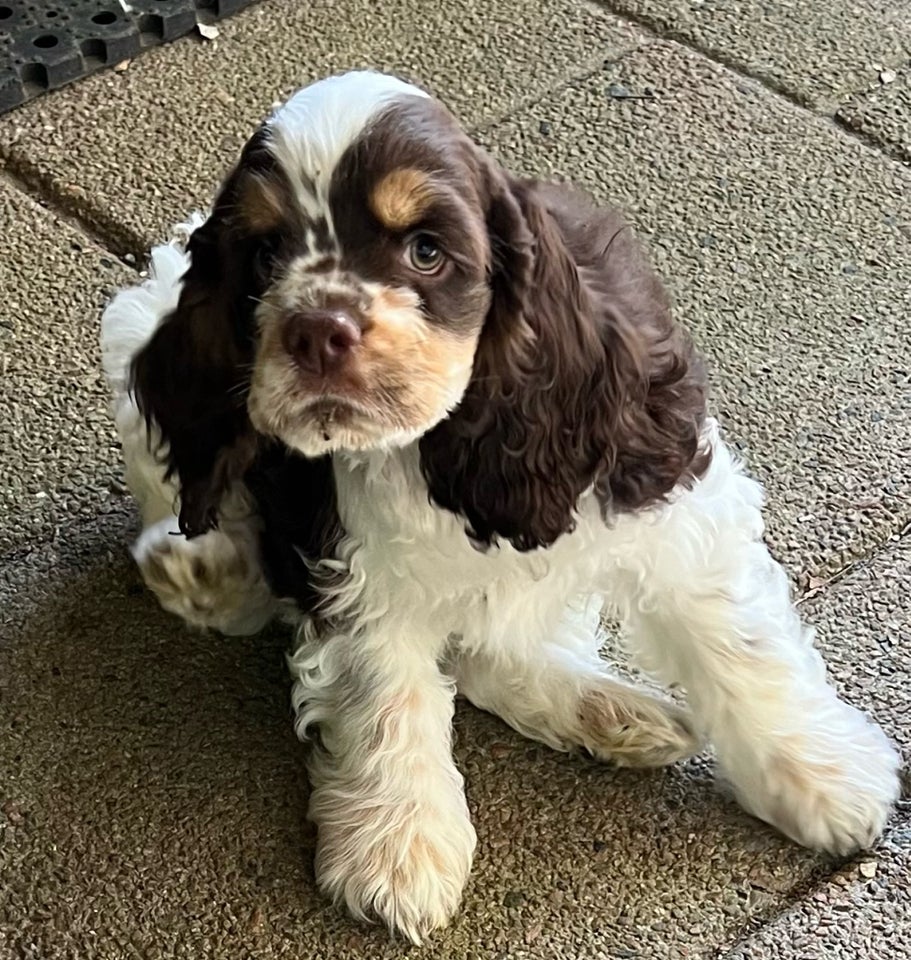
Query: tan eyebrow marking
x=401 y=198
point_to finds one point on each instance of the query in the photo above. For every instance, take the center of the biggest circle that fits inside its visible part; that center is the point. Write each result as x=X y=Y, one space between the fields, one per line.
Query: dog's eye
x=424 y=253
x=266 y=250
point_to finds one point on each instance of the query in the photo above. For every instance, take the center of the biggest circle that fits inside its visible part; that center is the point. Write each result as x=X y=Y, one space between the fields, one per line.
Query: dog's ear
x=191 y=378
x=580 y=378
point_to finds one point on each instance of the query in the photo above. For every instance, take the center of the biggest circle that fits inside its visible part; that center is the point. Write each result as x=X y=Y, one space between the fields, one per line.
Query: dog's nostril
x=319 y=340
x=344 y=339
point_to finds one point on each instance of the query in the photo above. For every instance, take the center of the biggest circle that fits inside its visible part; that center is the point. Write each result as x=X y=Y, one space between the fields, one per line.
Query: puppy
x=446 y=415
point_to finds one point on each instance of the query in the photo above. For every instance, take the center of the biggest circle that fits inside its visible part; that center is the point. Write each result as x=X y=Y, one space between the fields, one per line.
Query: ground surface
x=152 y=795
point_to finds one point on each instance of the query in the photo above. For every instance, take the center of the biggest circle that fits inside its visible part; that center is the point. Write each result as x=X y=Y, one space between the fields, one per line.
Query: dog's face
x=369 y=278
x=371 y=265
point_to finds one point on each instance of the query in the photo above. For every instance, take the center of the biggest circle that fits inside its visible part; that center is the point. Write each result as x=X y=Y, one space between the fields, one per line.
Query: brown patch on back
x=401 y=198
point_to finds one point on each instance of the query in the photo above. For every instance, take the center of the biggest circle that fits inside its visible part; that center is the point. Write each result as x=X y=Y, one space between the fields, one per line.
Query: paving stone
x=131 y=152
x=59 y=461
x=864 y=624
x=153 y=798
x=883 y=113
x=862 y=912
x=816 y=52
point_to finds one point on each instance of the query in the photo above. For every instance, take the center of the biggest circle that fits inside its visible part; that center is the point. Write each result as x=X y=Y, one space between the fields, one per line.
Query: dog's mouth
x=330 y=414
x=318 y=423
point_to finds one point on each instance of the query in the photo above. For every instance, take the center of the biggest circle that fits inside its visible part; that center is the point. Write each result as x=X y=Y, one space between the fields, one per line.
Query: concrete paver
x=154 y=799
x=864 y=917
x=864 y=624
x=782 y=241
x=131 y=152
x=864 y=910
x=817 y=52
x=58 y=456
x=883 y=113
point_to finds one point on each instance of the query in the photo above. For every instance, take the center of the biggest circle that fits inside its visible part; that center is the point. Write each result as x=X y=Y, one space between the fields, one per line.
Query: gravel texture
x=131 y=151
x=58 y=460
x=862 y=912
x=818 y=53
x=883 y=113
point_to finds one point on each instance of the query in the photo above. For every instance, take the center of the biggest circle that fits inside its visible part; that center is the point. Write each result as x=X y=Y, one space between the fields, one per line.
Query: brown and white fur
x=447 y=413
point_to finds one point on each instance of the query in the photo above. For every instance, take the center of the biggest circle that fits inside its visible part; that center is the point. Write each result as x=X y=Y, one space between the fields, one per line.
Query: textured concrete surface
x=864 y=910
x=864 y=624
x=784 y=243
x=58 y=458
x=883 y=113
x=131 y=151
x=152 y=795
x=818 y=53
x=154 y=798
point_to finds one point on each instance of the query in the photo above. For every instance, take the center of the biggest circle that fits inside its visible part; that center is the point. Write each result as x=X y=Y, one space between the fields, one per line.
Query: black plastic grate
x=44 y=45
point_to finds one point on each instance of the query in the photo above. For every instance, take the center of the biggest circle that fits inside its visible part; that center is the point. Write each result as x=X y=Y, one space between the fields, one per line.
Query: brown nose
x=320 y=340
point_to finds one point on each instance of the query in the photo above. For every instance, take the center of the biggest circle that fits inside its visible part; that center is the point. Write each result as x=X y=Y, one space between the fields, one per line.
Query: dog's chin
x=314 y=441
x=324 y=427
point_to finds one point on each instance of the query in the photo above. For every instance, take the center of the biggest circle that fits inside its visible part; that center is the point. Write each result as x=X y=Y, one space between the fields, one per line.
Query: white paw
x=402 y=862
x=631 y=728
x=213 y=581
x=832 y=796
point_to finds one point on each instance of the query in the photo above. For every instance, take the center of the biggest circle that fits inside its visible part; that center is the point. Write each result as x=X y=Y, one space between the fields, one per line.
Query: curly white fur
x=704 y=605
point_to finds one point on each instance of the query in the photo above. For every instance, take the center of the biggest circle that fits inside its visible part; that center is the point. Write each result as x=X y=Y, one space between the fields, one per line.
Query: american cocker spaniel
x=445 y=415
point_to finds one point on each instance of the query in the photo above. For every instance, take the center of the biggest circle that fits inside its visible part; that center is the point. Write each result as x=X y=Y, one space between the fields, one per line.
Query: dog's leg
x=563 y=694
x=394 y=835
x=710 y=609
x=213 y=581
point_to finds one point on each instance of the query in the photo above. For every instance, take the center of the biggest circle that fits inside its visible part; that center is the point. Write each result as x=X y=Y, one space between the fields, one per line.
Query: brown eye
x=266 y=250
x=424 y=253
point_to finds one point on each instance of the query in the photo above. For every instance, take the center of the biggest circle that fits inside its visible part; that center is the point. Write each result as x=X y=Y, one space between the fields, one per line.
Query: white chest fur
x=401 y=549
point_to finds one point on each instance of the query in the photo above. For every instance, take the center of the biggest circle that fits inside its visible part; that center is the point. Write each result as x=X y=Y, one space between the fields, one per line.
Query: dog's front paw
x=832 y=796
x=405 y=864
x=212 y=581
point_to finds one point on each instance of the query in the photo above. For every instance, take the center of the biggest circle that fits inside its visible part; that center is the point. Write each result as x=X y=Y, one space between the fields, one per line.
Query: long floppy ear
x=580 y=379
x=191 y=378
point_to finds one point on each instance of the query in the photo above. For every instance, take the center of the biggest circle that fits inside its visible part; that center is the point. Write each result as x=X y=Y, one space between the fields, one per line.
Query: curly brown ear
x=190 y=379
x=581 y=378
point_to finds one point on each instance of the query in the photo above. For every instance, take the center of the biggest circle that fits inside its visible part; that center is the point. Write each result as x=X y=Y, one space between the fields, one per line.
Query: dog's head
x=370 y=277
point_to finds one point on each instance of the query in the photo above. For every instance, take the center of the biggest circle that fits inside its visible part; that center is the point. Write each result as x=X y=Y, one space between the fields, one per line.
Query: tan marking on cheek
x=389 y=299
x=401 y=198
x=272 y=394
x=426 y=364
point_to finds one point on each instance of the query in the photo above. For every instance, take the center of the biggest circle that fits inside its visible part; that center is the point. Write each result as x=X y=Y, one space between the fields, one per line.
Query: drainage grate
x=44 y=45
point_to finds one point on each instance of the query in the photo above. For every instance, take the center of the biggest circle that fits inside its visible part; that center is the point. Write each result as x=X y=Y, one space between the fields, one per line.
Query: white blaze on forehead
x=312 y=130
